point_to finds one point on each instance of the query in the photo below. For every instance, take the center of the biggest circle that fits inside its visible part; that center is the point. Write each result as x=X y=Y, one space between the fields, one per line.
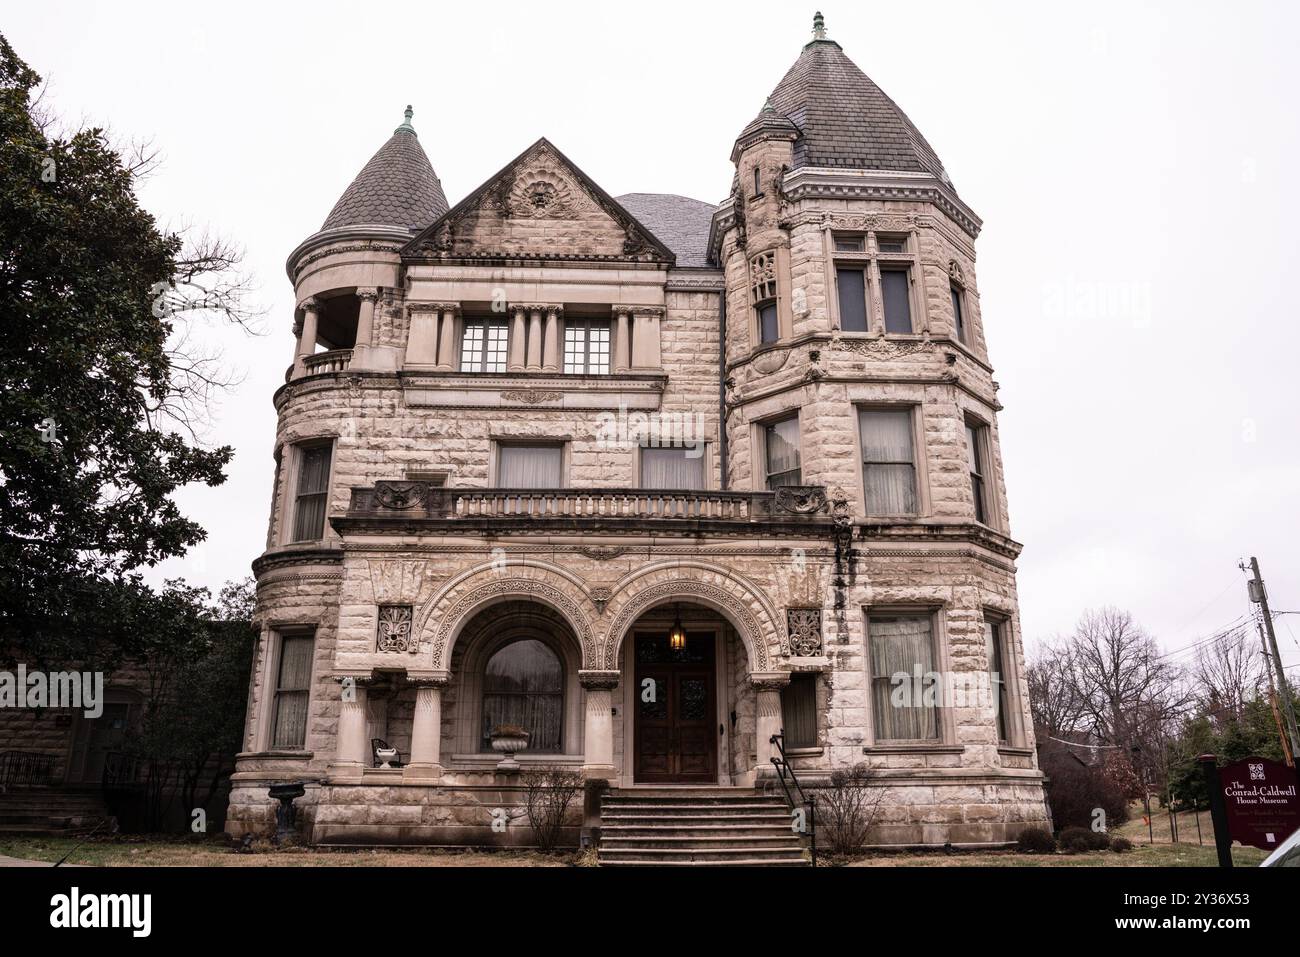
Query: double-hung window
x=781 y=448
x=905 y=692
x=530 y=466
x=312 y=494
x=888 y=461
x=292 y=692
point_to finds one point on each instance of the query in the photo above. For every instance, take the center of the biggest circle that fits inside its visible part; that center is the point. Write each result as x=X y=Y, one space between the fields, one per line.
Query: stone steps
x=696 y=827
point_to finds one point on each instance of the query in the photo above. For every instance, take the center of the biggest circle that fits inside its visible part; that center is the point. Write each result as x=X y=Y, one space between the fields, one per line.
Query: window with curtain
x=672 y=468
x=904 y=709
x=781 y=446
x=894 y=290
x=975 y=461
x=994 y=641
x=483 y=346
x=888 y=461
x=292 y=690
x=799 y=711
x=312 y=492
x=958 y=318
x=523 y=684
x=586 y=347
x=530 y=466
x=852 y=286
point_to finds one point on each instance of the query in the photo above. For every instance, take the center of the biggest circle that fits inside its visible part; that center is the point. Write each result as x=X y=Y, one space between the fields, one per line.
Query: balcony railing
x=336 y=360
x=426 y=500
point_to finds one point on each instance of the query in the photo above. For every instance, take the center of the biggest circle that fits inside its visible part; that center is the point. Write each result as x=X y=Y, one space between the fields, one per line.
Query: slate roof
x=398 y=187
x=680 y=222
x=845 y=120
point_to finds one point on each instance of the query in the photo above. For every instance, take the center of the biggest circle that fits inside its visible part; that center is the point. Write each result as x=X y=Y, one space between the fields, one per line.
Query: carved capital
x=599 y=680
x=439 y=680
x=310 y=304
x=769 y=680
x=368 y=293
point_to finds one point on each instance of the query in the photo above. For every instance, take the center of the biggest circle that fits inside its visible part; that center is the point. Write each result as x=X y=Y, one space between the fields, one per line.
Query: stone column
x=598 y=726
x=767 y=722
x=645 y=352
x=518 y=334
x=535 y=339
x=350 y=756
x=622 y=340
x=422 y=337
x=426 y=729
x=447 y=339
x=307 y=333
x=366 y=316
x=551 y=345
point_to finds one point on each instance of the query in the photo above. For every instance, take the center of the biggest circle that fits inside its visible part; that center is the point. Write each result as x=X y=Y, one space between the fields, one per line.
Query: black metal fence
x=25 y=769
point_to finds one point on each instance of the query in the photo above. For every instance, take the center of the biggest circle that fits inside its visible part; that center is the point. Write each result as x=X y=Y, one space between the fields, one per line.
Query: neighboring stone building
x=549 y=427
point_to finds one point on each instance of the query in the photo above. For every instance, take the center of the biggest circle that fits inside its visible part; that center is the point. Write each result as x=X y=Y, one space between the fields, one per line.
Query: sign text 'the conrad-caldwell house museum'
x=548 y=448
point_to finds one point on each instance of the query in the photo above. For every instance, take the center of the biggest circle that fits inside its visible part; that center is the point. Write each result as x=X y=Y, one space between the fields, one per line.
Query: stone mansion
x=660 y=488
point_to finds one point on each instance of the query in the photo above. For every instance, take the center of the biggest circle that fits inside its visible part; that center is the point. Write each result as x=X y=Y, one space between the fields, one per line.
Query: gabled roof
x=681 y=222
x=641 y=244
x=844 y=120
x=398 y=187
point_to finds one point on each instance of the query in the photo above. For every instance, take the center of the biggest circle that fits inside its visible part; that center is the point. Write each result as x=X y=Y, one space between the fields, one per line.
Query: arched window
x=523 y=684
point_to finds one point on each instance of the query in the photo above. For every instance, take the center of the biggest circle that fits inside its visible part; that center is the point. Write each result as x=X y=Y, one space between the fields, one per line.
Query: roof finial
x=406 y=126
x=819 y=26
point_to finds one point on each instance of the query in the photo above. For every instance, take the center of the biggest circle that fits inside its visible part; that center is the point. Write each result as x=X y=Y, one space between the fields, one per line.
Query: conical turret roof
x=398 y=187
x=844 y=119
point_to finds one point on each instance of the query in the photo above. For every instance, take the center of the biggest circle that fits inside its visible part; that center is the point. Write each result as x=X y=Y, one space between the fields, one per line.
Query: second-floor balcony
x=582 y=510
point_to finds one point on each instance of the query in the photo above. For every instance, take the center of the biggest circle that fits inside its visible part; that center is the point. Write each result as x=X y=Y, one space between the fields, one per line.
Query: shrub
x=1121 y=845
x=1075 y=790
x=1079 y=840
x=548 y=792
x=850 y=806
x=1036 y=840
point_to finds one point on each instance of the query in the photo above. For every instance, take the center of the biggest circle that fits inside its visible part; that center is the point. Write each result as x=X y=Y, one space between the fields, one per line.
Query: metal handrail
x=25 y=769
x=782 y=765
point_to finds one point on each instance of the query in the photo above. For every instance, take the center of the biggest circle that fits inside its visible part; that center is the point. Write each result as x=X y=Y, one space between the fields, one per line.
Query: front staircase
x=51 y=811
x=696 y=826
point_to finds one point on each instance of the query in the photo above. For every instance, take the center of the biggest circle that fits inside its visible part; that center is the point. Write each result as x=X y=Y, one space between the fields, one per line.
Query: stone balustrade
x=425 y=500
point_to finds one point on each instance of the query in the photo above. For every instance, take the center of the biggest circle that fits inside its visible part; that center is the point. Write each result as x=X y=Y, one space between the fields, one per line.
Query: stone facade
x=426 y=564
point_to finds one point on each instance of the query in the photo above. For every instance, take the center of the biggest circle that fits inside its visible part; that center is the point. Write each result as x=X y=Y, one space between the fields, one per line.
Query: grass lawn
x=158 y=851
x=1162 y=853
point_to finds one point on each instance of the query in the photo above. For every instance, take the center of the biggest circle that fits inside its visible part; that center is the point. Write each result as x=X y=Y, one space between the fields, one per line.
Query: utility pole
x=1259 y=596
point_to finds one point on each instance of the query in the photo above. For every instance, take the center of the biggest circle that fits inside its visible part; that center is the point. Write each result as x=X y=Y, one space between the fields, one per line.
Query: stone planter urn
x=509 y=739
x=286 y=815
x=386 y=756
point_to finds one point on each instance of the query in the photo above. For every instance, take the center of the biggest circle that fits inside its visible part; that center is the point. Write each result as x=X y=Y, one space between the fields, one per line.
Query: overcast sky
x=1135 y=165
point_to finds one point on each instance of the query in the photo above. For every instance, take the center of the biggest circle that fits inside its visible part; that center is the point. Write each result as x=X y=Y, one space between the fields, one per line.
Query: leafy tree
x=94 y=388
x=196 y=659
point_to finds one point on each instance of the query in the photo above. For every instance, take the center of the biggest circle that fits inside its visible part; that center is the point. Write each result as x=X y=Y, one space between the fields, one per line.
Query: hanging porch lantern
x=677 y=634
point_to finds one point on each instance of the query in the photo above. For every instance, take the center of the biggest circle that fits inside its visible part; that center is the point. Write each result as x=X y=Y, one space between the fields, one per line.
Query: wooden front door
x=676 y=730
